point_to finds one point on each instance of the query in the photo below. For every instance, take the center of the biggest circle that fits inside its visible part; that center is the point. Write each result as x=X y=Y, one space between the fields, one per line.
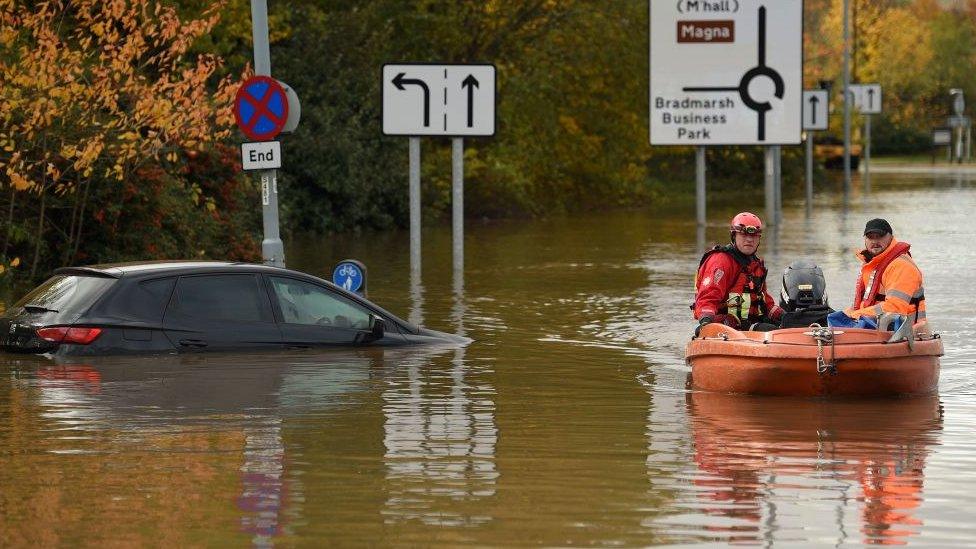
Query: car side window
x=145 y=300
x=305 y=303
x=237 y=297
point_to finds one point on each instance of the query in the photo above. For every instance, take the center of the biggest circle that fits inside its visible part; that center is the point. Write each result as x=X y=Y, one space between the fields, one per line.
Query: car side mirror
x=377 y=328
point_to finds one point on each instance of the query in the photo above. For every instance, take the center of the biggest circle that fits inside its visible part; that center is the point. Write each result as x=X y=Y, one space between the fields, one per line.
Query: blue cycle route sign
x=350 y=275
x=261 y=108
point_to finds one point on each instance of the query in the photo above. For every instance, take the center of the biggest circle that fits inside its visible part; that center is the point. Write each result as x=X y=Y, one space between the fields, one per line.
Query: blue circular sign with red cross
x=261 y=108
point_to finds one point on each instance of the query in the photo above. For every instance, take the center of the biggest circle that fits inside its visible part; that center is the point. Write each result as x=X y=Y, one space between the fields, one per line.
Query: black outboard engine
x=804 y=295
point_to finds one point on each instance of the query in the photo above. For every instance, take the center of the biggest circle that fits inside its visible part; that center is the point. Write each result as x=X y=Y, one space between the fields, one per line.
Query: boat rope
x=822 y=335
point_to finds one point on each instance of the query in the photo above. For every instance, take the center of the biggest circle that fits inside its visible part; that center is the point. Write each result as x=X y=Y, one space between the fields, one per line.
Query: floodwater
x=565 y=423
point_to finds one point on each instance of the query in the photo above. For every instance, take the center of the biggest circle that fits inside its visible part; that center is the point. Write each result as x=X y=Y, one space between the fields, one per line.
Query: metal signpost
x=964 y=144
x=440 y=100
x=727 y=73
x=867 y=99
x=816 y=117
x=261 y=110
x=847 y=97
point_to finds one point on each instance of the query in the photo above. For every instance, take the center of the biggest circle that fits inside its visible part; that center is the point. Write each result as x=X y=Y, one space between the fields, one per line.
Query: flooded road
x=566 y=422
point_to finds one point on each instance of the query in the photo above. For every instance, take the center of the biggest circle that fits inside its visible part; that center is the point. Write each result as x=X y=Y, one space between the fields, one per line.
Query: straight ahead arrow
x=814 y=100
x=471 y=83
x=399 y=81
x=871 y=99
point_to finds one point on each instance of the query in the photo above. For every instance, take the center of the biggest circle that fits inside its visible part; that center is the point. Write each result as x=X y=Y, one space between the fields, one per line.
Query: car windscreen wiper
x=38 y=309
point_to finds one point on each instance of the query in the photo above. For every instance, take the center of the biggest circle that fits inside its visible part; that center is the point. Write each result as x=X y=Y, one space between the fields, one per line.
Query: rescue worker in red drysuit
x=730 y=287
x=889 y=281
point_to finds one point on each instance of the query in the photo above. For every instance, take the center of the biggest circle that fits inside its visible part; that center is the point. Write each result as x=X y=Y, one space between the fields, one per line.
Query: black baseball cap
x=877 y=225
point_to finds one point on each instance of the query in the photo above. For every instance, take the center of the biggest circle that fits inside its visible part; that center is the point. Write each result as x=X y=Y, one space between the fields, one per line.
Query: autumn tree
x=96 y=96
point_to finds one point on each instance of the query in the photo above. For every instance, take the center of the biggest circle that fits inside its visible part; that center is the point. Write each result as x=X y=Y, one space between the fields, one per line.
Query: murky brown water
x=565 y=423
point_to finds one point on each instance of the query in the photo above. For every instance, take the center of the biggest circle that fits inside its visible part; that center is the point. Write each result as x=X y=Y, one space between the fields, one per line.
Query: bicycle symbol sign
x=348 y=276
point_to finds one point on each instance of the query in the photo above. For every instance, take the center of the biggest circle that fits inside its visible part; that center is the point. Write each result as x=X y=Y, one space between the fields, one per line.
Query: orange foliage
x=97 y=88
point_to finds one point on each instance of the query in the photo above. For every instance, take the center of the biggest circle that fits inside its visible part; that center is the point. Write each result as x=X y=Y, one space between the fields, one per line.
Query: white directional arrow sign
x=440 y=100
x=867 y=98
x=815 y=110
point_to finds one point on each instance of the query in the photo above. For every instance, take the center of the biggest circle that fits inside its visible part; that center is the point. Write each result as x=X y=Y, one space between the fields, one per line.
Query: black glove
x=701 y=322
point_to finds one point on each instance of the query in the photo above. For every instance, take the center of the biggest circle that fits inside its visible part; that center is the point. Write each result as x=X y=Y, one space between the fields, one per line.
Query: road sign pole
x=847 y=97
x=959 y=146
x=457 y=201
x=259 y=34
x=770 y=185
x=809 y=193
x=272 y=249
x=969 y=143
x=700 y=185
x=778 y=159
x=867 y=151
x=414 y=206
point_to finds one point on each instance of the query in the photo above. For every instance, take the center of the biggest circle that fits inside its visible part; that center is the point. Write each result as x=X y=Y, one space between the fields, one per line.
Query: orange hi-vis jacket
x=889 y=283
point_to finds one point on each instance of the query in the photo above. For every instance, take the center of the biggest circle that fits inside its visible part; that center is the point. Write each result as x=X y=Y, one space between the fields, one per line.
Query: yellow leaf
x=19 y=182
x=2 y=268
x=15 y=262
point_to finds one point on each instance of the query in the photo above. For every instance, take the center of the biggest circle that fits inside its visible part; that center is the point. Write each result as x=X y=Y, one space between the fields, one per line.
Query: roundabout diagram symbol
x=761 y=70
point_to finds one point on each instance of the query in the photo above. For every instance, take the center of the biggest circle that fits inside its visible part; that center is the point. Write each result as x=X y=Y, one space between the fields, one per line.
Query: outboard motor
x=804 y=295
x=803 y=286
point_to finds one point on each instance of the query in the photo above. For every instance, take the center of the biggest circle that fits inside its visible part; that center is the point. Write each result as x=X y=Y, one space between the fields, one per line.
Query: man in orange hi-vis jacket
x=890 y=281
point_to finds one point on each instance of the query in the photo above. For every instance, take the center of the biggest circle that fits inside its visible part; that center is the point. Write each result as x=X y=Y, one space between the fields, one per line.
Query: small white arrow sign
x=816 y=112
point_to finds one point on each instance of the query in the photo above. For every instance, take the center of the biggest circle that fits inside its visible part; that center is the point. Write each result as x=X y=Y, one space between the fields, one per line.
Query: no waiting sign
x=726 y=72
x=261 y=108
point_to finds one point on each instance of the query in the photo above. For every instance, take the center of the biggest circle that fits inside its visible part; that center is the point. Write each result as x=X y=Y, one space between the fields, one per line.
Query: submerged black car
x=195 y=306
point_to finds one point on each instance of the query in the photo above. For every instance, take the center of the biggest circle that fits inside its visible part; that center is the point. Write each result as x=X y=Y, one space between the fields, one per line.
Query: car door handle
x=193 y=343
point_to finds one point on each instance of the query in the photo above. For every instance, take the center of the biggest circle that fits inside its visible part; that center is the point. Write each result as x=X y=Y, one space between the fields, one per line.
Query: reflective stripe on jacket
x=890 y=282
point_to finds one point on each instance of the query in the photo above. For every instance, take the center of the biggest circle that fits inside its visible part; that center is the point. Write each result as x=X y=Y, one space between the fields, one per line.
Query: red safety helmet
x=746 y=222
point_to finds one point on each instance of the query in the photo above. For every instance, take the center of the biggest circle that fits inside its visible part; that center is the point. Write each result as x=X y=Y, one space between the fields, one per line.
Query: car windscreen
x=65 y=297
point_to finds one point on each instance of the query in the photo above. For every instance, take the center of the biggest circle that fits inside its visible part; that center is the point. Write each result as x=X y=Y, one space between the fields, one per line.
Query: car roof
x=118 y=270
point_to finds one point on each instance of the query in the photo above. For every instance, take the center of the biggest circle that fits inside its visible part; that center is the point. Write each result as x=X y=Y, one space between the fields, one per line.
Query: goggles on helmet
x=747 y=229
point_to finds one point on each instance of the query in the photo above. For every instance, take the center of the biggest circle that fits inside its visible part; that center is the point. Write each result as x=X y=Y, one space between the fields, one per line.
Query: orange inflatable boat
x=816 y=361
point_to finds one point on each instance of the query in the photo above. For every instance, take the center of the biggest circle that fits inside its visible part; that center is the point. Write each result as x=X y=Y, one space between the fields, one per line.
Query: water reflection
x=788 y=470
x=262 y=480
x=440 y=435
x=416 y=316
x=214 y=426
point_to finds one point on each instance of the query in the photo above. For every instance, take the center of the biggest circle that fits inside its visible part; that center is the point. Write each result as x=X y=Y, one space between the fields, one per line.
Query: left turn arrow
x=399 y=81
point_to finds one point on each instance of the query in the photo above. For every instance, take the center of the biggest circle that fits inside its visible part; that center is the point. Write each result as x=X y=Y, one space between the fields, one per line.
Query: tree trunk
x=40 y=234
x=10 y=221
x=81 y=220
x=71 y=229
